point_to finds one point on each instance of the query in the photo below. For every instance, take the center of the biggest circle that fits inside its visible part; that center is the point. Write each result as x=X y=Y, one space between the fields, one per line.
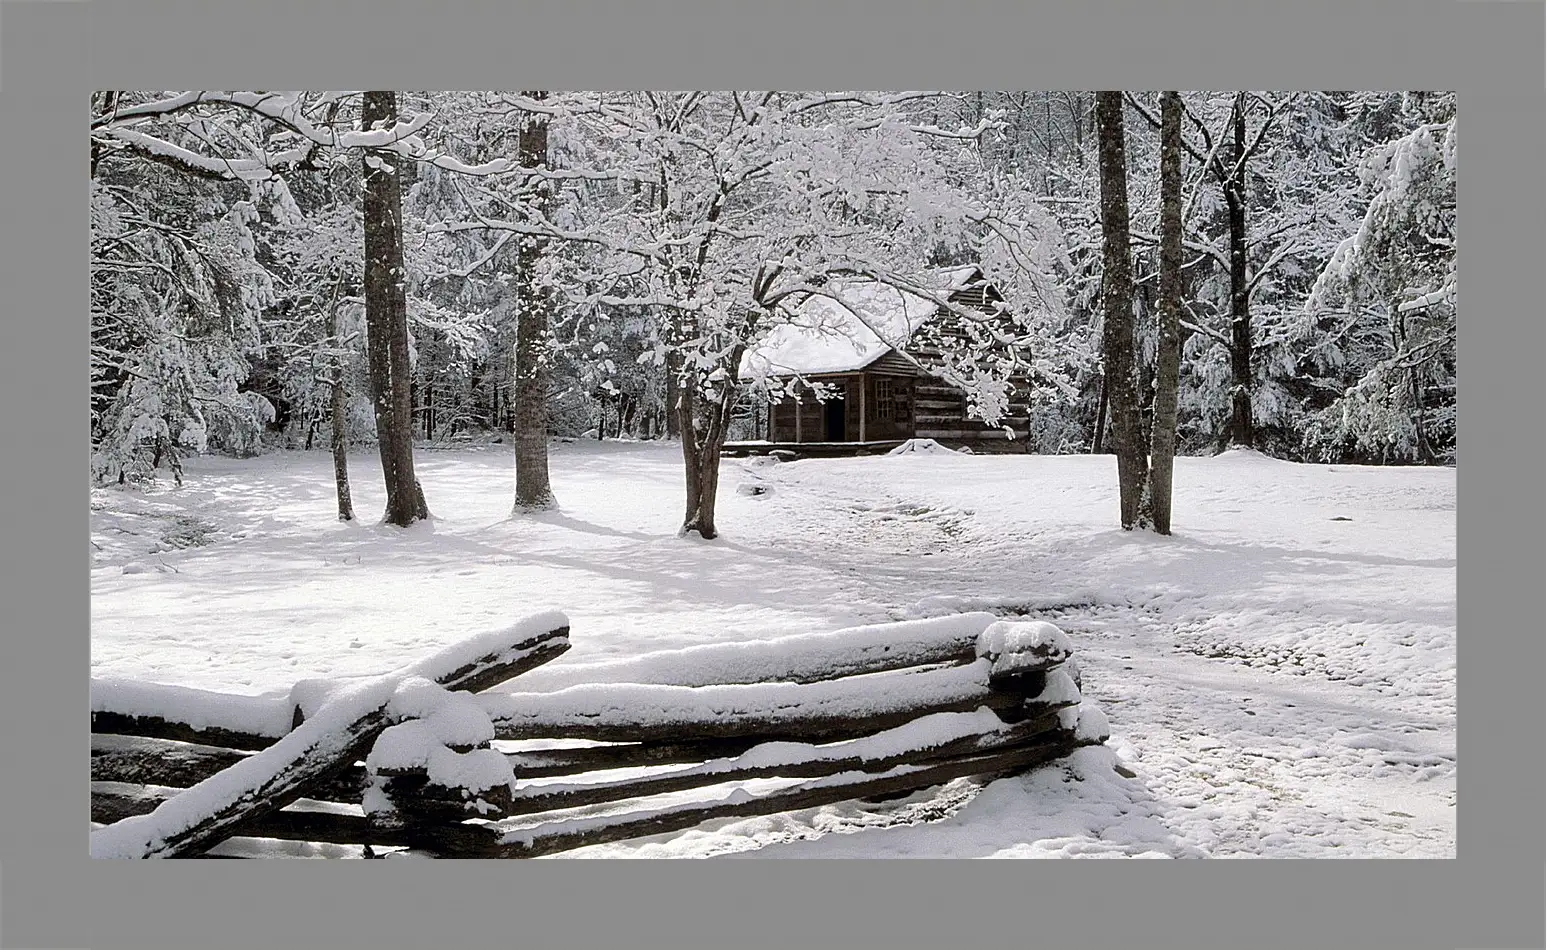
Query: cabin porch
x=853 y=408
x=799 y=450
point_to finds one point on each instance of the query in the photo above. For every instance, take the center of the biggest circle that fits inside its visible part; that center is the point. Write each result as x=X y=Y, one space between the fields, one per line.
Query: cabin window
x=885 y=401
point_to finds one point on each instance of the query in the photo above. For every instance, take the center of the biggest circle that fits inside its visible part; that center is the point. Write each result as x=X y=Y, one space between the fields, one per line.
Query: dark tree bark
x=1168 y=355
x=529 y=387
x=1117 y=318
x=627 y=406
x=427 y=409
x=338 y=405
x=1240 y=429
x=704 y=417
x=1144 y=370
x=1101 y=417
x=692 y=466
x=386 y=319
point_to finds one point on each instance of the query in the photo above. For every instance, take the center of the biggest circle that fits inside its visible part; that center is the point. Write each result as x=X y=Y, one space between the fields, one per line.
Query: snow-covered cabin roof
x=824 y=336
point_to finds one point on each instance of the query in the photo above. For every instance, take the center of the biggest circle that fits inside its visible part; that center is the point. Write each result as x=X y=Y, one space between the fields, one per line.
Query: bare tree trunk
x=1079 y=111
x=1144 y=370
x=529 y=389
x=1398 y=321
x=338 y=401
x=626 y=404
x=1047 y=130
x=428 y=409
x=683 y=411
x=1117 y=296
x=346 y=508
x=1101 y=417
x=692 y=471
x=1240 y=431
x=1425 y=454
x=1168 y=355
x=386 y=318
x=705 y=420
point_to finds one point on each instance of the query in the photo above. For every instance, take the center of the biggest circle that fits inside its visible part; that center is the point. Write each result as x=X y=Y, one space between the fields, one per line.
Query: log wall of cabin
x=941 y=409
x=940 y=413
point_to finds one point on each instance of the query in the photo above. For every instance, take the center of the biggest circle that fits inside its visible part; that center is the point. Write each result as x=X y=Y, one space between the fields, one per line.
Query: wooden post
x=864 y=386
x=797 y=419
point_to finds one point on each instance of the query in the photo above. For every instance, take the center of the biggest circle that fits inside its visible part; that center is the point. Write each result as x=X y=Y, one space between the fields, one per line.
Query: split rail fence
x=444 y=758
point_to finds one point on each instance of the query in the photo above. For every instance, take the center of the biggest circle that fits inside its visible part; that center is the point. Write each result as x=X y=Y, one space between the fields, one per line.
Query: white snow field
x=1279 y=675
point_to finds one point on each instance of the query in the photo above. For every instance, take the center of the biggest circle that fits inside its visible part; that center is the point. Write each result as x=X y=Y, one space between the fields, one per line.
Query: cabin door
x=834 y=414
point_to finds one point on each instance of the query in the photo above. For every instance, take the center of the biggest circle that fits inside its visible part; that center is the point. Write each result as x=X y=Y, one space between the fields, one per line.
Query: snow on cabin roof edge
x=823 y=336
x=962 y=277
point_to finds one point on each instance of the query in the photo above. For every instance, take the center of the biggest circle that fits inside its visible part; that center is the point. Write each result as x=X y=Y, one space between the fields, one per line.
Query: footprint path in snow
x=127 y=528
x=1260 y=748
x=1249 y=760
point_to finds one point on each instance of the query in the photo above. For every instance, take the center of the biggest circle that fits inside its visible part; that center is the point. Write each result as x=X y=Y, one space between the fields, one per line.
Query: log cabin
x=857 y=390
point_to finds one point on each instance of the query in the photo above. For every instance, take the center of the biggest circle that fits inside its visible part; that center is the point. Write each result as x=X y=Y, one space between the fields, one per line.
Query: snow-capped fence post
x=435 y=767
x=1025 y=659
x=341 y=732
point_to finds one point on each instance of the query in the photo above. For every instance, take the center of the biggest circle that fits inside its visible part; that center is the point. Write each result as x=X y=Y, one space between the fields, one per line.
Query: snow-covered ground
x=1279 y=675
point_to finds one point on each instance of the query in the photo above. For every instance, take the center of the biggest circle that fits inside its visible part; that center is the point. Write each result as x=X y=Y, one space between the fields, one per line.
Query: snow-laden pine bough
x=435 y=760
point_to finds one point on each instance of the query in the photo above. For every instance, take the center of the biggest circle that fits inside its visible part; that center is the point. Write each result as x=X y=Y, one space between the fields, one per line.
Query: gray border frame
x=51 y=895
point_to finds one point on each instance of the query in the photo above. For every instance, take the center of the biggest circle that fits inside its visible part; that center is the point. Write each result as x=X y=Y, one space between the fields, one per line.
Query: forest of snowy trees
x=307 y=270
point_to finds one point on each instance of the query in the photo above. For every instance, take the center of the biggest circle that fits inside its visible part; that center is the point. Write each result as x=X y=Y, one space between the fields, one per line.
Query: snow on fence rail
x=430 y=757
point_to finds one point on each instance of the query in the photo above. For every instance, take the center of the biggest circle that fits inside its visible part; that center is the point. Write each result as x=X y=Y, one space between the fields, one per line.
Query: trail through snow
x=1279 y=675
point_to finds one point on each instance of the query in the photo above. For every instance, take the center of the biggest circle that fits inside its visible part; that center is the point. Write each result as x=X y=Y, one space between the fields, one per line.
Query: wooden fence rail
x=435 y=759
